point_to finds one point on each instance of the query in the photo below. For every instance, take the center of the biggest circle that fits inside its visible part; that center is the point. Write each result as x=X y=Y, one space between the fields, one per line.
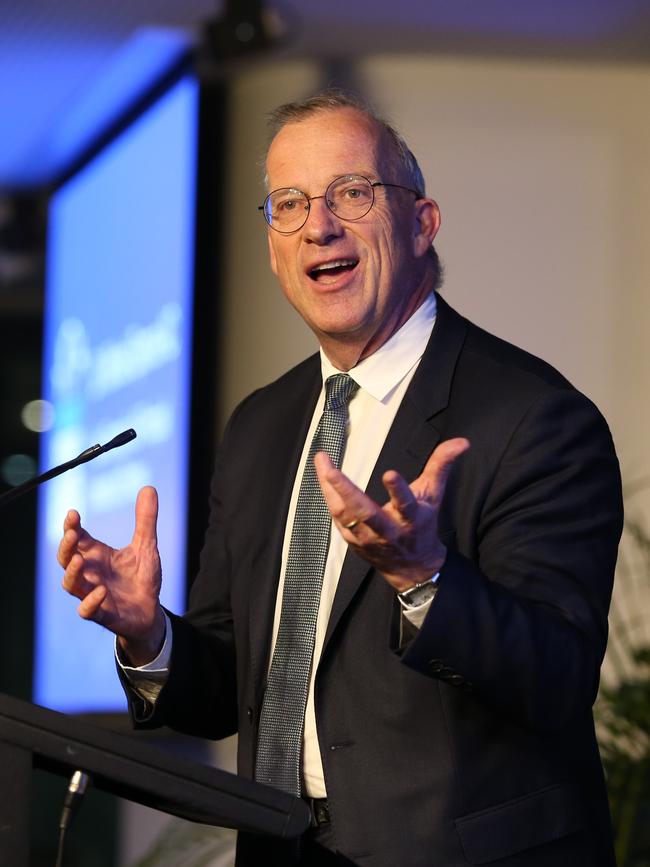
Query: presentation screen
x=117 y=355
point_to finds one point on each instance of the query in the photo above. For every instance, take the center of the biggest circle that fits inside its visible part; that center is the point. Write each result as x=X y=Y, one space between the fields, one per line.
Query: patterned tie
x=279 y=743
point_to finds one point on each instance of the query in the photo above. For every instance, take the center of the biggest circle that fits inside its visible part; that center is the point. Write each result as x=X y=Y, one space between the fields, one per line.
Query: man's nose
x=322 y=223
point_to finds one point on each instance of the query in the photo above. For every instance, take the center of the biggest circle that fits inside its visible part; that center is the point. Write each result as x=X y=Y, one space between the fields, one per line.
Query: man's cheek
x=272 y=254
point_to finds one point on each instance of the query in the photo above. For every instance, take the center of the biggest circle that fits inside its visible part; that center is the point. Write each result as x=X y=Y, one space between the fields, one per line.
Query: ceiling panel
x=55 y=55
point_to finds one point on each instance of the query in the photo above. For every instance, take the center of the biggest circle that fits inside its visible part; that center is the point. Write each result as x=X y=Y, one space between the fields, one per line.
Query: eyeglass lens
x=349 y=197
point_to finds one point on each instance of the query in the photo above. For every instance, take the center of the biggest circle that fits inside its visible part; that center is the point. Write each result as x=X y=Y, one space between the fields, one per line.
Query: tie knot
x=338 y=390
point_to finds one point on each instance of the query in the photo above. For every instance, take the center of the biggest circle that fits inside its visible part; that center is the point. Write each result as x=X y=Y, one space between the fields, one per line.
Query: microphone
x=76 y=790
x=73 y=797
x=94 y=451
x=86 y=455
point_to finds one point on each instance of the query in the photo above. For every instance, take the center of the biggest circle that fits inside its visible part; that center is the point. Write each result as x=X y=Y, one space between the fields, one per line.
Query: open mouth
x=329 y=272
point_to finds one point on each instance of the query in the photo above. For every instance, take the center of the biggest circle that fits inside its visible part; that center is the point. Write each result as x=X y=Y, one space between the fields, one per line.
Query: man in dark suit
x=460 y=626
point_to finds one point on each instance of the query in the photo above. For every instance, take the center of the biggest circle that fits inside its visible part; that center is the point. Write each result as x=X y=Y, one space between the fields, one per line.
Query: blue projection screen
x=117 y=354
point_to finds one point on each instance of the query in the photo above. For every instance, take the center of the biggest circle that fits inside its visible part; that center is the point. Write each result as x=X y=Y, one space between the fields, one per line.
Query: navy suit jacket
x=470 y=741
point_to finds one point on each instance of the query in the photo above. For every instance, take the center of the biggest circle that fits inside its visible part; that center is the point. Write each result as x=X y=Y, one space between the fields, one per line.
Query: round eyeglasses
x=349 y=197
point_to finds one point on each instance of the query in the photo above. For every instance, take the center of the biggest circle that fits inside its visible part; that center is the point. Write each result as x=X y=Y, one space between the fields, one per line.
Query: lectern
x=34 y=737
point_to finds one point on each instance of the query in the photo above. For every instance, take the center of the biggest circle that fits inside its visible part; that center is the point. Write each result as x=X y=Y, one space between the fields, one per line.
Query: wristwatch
x=420 y=594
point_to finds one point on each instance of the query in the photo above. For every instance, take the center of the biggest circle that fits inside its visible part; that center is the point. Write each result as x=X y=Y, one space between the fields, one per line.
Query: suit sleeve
x=520 y=618
x=200 y=695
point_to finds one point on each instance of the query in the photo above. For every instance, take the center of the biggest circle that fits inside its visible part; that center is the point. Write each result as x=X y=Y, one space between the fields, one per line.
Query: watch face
x=419 y=595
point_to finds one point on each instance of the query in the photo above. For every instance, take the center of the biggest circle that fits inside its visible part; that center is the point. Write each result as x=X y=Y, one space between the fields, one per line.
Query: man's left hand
x=399 y=539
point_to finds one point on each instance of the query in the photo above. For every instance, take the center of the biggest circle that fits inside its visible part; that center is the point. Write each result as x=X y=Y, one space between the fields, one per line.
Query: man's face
x=360 y=302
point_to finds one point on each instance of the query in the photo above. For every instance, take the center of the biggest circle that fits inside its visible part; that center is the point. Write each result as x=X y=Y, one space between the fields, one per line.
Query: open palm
x=118 y=588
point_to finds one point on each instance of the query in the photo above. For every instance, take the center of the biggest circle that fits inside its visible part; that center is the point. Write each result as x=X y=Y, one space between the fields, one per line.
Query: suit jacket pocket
x=520 y=824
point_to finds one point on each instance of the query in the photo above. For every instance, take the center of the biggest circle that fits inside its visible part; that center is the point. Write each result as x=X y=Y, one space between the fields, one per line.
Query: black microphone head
x=120 y=440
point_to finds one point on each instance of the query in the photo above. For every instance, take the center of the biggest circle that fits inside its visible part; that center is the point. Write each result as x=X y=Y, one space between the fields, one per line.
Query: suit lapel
x=414 y=434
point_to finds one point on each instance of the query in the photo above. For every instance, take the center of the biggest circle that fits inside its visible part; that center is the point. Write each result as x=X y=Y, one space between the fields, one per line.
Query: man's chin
x=347 y=331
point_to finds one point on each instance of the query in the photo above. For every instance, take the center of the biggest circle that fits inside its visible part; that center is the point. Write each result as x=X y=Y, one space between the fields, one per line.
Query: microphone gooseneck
x=88 y=454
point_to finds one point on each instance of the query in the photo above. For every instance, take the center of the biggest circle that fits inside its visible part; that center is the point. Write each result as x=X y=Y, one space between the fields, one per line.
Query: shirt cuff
x=415 y=616
x=148 y=680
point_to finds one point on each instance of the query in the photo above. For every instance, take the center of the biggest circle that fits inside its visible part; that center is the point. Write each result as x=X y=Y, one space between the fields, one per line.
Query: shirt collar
x=379 y=373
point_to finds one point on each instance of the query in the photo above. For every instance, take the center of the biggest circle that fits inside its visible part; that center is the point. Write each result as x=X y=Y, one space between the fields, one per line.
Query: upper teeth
x=337 y=264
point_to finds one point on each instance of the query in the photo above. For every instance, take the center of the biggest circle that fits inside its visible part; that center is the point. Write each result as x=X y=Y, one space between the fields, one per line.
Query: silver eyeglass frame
x=309 y=199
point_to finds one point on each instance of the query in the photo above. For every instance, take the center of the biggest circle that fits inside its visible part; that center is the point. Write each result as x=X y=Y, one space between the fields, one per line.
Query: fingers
x=72 y=520
x=66 y=549
x=90 y=607
x=345 y=501
x=350 y=507
x=92 y=595
x=74 y=581
x=401 y=496
x=70 y=540
x=335 y=490
x=75 y=538
x=430 y=485
x=146 y=516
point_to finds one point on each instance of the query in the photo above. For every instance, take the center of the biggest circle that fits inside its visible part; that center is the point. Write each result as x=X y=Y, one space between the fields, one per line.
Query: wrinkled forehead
x=325 y=144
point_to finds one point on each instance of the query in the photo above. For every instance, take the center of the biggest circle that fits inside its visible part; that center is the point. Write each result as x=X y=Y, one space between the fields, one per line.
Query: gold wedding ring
x=351 y=525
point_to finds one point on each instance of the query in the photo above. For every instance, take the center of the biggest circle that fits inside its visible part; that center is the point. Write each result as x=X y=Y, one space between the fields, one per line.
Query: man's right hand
x=119 y=588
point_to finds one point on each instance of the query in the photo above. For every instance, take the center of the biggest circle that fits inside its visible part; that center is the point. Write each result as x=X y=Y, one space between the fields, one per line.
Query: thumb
x=431 y=484
x=146 y=515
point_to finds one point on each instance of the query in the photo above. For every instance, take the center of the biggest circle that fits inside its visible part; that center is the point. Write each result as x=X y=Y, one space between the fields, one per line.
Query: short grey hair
x=334 y=98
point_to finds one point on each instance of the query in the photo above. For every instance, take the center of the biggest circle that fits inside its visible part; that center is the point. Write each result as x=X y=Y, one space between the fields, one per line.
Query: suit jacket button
x=249 y=714
x=456 y=679
x=435 y=665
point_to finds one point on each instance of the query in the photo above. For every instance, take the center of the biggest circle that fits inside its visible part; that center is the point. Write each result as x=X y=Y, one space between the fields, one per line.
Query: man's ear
x=427 y=223
x=272 y=257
